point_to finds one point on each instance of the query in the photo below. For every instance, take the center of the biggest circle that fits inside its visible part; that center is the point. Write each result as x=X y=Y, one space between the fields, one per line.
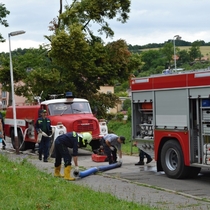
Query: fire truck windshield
x=69 y=108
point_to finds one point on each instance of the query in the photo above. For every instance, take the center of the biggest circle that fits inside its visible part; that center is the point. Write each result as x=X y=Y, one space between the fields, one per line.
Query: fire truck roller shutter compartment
x=171 y=108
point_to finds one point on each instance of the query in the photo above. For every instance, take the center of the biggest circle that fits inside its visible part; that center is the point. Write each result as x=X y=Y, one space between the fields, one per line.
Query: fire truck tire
x=172 y=160
x=21 y=144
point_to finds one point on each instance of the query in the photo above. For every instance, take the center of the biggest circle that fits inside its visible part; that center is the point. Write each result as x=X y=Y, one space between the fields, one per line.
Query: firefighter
x=142 y=155
x=72 y=140
x=111 y=145
x=43 y=125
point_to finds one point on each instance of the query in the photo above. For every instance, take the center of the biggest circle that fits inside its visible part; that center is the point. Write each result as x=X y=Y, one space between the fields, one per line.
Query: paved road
x=140 y=184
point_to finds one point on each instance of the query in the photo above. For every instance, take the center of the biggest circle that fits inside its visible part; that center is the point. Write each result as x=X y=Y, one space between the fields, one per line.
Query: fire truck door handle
x=208 y=125
x=207 y=112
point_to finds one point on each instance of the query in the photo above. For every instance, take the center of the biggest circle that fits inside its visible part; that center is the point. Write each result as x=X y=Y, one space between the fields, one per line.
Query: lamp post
x=15 y=33
x=176 y=37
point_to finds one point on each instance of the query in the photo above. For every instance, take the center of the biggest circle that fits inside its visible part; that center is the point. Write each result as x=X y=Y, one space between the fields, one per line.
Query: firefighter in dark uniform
x=72 y=140
x=43 y=125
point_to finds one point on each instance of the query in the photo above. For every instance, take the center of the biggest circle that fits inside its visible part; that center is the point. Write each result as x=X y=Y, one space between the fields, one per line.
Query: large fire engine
x=73 y=113
x=171 y=120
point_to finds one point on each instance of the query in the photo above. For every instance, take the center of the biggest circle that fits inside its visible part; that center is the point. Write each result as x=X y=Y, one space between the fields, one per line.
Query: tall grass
x=24 y=187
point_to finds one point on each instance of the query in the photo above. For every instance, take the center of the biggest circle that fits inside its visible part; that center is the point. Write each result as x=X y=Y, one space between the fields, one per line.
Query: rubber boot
x=57 y=171
x=67 y=171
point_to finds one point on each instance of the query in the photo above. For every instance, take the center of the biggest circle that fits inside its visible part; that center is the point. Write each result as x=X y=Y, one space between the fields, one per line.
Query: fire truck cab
x=171 y=120
x=73 y=113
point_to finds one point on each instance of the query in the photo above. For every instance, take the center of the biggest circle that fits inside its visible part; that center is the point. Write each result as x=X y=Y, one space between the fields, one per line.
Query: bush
x=126 y=104
x=129 y=114
x=119 y=116
x=110 y=116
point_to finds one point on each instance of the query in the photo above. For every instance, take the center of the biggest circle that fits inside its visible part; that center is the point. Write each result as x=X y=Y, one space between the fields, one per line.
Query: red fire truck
x=73 y=113
x=171 y=120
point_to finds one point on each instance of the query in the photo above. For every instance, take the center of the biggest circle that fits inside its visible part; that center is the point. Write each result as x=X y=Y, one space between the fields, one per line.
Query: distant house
x=110 y=89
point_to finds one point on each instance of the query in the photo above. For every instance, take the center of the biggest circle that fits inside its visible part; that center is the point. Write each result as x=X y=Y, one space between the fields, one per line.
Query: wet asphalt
x=125 y=182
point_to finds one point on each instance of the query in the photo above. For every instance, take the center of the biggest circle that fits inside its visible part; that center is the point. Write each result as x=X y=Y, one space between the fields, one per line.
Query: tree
x=194 y=51
x=33 y=73
x=3 y=13
x=85 y=62
x=167 y=51
x=77 y=60
x=126 y=104
x=152 y=59
x=184 y=57
x=89 y=12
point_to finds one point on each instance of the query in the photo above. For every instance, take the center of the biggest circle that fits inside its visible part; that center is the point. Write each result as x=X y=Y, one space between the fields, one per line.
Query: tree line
x=179 y=43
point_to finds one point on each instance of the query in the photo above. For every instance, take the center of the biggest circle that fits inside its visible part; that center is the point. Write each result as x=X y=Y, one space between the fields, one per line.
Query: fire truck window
x=78 y=107
x=59 y=109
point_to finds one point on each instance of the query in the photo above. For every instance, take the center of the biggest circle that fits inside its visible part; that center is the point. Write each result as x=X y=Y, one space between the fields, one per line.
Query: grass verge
x=22 y=186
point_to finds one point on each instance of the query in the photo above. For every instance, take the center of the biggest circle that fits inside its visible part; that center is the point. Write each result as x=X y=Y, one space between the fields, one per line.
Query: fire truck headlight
x=103 y=130
x=61 y=132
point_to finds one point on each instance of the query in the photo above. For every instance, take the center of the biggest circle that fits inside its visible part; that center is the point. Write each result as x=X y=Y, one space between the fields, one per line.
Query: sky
x=150 y=21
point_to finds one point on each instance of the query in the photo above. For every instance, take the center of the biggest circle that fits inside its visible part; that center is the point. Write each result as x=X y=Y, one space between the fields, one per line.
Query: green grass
x=24 y=187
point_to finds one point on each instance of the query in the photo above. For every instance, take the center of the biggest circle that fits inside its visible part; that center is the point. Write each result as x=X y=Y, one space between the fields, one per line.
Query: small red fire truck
x=171 y=120
x=73 y=113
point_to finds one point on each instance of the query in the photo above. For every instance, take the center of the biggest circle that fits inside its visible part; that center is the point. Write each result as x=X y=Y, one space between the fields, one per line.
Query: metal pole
x=13 y=92
x=176 y=37
x=174 y=54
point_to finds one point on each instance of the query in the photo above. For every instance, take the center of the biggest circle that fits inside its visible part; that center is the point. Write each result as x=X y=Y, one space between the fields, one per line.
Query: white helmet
x=80 y=135
x=87 y=136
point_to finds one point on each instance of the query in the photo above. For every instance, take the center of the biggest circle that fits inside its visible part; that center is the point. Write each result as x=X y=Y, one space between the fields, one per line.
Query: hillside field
x=205 y=50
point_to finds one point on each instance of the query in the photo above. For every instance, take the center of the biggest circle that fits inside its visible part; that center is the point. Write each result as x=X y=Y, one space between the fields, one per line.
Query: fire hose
x=93 y=170
x=39 y=137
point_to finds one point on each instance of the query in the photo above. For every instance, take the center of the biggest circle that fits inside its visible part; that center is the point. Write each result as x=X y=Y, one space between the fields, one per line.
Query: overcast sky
x=151 y=21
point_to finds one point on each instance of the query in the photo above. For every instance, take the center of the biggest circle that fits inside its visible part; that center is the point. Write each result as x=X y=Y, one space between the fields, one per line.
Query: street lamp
x=15 y=33
x=176 y=37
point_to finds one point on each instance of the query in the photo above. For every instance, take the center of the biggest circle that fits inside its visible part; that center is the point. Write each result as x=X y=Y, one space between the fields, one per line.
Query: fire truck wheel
x=172 y=160
x=21 y=144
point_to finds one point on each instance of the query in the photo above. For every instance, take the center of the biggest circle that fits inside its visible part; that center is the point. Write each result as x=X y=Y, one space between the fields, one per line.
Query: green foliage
x=184 y=57
x=3 y=13
x=91 y=65
x=129 y=114
x=78 y=60
x=110 y=116
x=119 y=116
x=89 y=12
x=122 y=94
x=101 y=102
x=25 y=187
x=168 y=51
x=32 y=69
x=194 y=51
x=126 y=104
